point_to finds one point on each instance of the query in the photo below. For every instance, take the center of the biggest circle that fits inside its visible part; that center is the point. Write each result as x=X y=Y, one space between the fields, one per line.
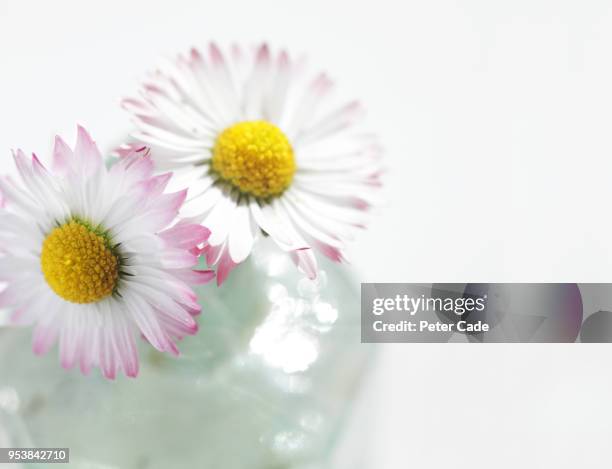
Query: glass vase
x=265 y=384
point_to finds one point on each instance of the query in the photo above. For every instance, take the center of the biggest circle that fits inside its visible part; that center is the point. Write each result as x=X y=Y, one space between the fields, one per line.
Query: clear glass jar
x=265 y=384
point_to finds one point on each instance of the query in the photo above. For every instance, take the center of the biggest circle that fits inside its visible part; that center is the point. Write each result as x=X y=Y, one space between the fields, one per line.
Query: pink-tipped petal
x=306 y=262
x=62 y=156
x=226 y=265
x=69 y=342
x=213 y=253
x=136 y=165
x=128 y=354
x=263 y=54
x=88 y=157
x=108 y=355
x=216 y=56
x=185 y=235
x=156 y=185
x=44 y=337
x=178 y=259
x=167 y=206
x=86 y=355
x=23 y=166
x=194 y=277
x=129 y=149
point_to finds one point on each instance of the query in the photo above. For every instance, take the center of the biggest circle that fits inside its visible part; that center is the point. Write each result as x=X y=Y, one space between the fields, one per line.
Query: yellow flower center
x=78 y=263
x=255 y=157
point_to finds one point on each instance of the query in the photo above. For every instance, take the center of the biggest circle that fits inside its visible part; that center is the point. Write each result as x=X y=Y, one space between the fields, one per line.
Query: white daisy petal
x=217 y=220
x=331 y=124
x=276 y=97
x=202 y=204
x=314 y=94
x=276 y=226
x=158 y=140
x=124 y=343
x=343 y=191
x=309 y=226
x=176 y=115
x=40 y=302
x=223 y=80
x=337 y=214
x=191 y=143
x=241 y=235
x=21 y=200
x=195 y=88
x=255 y=86
x=145 y=318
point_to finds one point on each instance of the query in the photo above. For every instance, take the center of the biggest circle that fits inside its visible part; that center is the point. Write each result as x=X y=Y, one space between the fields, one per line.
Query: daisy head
x=91 y=256
x=264 y=148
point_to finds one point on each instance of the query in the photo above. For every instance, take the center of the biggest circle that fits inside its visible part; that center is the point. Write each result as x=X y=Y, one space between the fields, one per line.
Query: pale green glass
x=266 y=383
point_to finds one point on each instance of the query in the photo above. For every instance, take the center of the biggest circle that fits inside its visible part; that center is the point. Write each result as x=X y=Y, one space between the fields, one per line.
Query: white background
x=496 y=117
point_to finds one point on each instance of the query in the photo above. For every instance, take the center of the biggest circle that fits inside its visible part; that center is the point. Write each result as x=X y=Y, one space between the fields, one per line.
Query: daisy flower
x=90 y=256
x=264 y=148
